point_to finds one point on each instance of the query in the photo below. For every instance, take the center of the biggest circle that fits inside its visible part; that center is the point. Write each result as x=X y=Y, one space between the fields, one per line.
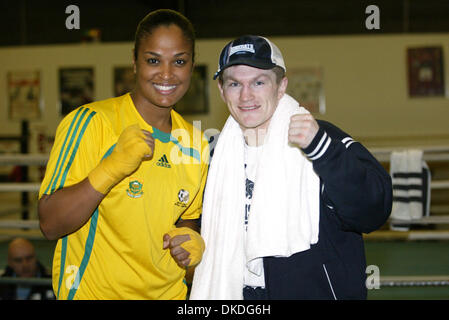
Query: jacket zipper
x=329 y=281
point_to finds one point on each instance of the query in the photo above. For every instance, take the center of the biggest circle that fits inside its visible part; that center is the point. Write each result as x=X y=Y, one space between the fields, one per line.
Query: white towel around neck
x=284 y=215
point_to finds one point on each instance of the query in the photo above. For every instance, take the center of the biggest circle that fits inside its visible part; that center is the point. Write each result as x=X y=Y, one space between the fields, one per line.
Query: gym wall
x=364 y=77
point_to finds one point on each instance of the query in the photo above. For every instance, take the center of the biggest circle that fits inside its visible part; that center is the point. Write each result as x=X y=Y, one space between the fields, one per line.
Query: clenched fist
x=302 y=129
x=186 y=246
x=133 y=146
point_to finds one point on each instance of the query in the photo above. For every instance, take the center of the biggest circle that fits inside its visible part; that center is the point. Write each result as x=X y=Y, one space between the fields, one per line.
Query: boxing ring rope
x=414 y=281
x=385 y=281
x=34 y=187
x=20 y=160
x=430 y=153
x=19 y=224
x=24 y=187
x=19 y=187
x=26 y=281
x=23 y=227
x=24 y=159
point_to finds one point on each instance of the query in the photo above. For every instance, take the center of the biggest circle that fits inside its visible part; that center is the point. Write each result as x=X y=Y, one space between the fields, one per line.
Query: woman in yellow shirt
x=122 y=191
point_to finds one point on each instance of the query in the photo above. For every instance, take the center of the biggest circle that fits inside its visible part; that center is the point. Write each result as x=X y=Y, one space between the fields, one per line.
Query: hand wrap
x=126 y=157
x=195 y=246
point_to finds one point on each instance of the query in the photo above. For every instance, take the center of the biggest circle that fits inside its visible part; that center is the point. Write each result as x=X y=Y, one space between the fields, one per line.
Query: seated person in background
x=22 y=263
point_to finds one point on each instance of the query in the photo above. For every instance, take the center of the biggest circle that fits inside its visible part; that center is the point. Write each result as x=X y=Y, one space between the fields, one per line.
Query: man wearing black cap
x=288 y=196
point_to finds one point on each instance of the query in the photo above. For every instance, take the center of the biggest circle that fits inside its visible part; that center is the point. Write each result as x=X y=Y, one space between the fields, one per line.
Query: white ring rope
x=26 y=281
x=414 y=281
x=390 y=281
x=425 y=149
x=19 y=187
x=34 y=187
x=24 y=159
x=41 y=159
x=424 y=220
x=19 y=224
x=412 y=235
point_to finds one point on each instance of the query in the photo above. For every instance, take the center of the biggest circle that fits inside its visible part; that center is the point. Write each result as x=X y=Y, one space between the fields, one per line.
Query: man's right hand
x=133 y=146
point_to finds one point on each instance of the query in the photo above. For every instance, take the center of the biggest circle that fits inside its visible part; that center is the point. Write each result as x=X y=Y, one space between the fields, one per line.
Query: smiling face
x=163 y=67
x=251 y=94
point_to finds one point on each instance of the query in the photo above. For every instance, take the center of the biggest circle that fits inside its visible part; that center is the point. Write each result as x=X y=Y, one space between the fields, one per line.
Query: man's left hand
x=302 y=129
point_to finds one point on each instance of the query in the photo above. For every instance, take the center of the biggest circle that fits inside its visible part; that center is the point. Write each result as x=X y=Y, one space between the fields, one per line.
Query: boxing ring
x=377 y=243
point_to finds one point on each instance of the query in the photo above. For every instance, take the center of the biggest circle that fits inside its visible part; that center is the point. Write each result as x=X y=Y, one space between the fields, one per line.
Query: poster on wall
x=305 y=84
x=24 y=95
x=124 y=80
x=425 y=72
x=76 y=87
x=196 y=100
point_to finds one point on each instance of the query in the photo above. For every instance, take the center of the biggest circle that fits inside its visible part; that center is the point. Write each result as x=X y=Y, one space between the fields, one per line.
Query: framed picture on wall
x=196 y=100
x=24 y=94
x=124 y=80
x=305 y=84
x=425 y=72
x=76 y=87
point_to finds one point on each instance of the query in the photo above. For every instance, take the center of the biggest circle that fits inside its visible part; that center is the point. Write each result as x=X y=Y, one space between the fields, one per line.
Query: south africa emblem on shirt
x=135 y=189
x=183 y=197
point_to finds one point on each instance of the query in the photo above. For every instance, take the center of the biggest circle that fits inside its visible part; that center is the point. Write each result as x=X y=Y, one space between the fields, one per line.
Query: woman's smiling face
x=164 y=66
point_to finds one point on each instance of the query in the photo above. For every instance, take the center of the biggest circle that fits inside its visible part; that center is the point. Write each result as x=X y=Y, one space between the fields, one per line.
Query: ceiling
x=28 y=22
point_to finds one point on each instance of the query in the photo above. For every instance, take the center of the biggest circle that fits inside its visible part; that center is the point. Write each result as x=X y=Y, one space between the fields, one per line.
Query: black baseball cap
x=253 y=51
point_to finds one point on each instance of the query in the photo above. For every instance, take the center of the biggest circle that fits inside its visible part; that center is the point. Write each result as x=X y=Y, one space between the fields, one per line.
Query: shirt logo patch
x=163 y=162
x=183 y=197
x=135 y=189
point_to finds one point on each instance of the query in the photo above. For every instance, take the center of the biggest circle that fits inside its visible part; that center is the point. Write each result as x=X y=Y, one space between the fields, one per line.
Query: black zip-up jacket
x=356 y=197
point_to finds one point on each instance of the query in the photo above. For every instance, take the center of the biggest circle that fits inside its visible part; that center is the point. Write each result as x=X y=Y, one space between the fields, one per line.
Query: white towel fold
x=284 y=215
x=406 y=169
